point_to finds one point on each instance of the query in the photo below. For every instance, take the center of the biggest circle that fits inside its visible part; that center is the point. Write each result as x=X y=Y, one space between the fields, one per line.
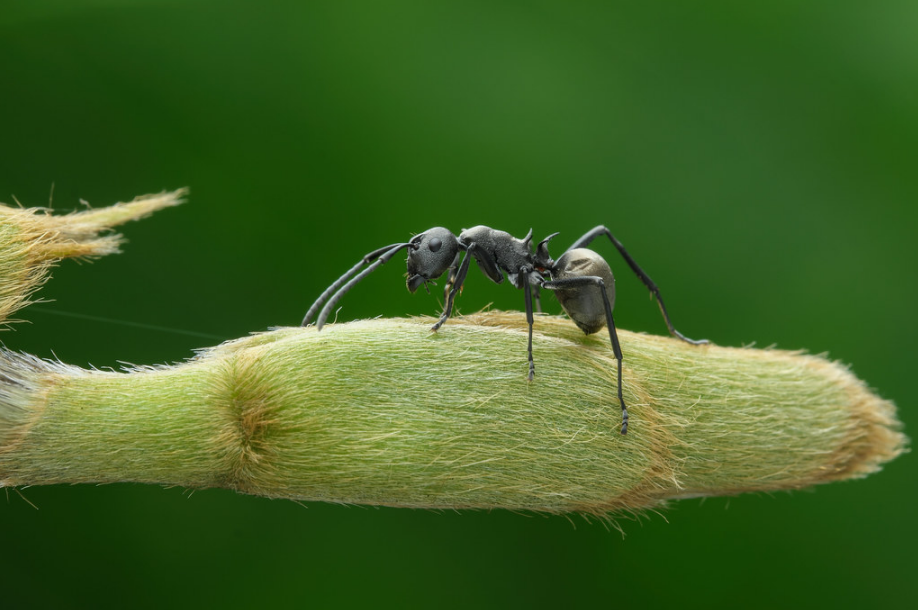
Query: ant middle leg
x=527 y=289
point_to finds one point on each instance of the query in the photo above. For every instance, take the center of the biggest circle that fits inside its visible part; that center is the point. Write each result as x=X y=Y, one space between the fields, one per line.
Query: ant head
x=543 y=260
x=431 y=253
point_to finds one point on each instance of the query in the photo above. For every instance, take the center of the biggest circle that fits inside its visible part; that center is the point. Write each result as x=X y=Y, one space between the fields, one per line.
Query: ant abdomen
x=582 y=303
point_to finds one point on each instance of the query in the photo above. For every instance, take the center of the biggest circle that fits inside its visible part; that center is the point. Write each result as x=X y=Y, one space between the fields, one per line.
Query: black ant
x=581 y=279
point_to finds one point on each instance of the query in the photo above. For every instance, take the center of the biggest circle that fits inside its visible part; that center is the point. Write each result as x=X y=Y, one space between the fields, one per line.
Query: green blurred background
x=759 y=160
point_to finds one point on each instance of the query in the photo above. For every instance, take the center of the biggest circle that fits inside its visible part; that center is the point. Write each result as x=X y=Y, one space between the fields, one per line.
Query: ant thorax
x=511 y=255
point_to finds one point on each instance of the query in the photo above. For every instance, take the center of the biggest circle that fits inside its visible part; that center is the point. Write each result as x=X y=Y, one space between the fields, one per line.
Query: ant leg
x=451 y=278
x=538 y=299
x=592 y=280
x=457 y=286
x=381 y=260
x=366 y=260
x=601 y=230
x=527 y=289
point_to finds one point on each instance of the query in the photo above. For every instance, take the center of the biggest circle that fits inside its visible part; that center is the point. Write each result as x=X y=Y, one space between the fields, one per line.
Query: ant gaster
x=581 y=279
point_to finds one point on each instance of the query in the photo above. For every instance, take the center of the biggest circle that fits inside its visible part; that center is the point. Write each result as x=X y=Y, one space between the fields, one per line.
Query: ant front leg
x=456 y=287
x=451 y=278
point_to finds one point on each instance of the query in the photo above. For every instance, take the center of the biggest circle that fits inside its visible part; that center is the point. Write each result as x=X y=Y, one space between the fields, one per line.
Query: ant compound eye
x=434 y=244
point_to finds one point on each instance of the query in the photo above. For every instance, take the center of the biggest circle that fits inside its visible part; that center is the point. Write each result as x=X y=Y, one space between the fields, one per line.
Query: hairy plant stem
x=386 y=412
x=32 y=240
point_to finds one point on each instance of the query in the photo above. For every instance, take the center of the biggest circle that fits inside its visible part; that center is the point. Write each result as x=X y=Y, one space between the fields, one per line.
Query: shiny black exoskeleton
x=581 y=279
